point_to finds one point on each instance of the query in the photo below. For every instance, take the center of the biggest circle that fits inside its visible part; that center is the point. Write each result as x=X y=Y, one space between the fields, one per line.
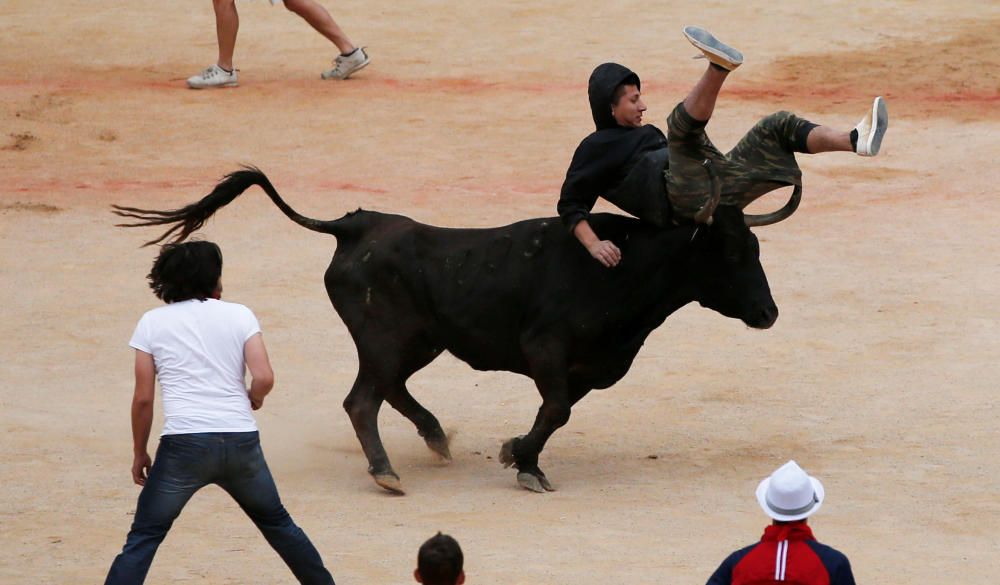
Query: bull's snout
x=763 y=318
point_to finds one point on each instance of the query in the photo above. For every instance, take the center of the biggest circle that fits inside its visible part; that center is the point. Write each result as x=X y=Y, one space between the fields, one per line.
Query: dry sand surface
x=880 y=377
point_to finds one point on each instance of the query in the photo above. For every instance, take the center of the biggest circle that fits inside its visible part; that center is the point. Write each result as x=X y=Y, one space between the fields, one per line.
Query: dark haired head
x=190 y=270
x=606 y=86
x=439 y=561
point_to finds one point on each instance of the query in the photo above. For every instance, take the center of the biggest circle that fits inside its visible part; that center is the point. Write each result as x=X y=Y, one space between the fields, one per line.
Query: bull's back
x=465 y=290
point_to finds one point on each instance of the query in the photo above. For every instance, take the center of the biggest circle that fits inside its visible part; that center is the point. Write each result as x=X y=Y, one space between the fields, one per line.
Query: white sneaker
x=713 y=49
x=345 y=65
x=872 y=128
x=213 y=76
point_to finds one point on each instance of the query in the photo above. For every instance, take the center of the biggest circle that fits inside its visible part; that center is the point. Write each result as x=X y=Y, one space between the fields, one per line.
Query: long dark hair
x=190 y=270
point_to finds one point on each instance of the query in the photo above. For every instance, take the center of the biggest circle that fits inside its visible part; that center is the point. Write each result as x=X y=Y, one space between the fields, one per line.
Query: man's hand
x=606 y=252
x=140 y=468
x=256 y=403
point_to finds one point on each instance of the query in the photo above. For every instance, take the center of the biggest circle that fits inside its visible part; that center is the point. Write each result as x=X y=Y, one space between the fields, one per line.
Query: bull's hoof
x=536 y=483
x=389 y=481
x=438 y=442
x=507 y=453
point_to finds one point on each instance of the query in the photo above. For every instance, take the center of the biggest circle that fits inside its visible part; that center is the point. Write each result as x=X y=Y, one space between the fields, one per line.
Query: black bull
x=525 y=298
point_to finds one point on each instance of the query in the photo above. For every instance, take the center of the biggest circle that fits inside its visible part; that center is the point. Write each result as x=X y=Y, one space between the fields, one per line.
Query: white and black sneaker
x=713 y=49
x=213 y=76
x=346 y=65
x=872 y=128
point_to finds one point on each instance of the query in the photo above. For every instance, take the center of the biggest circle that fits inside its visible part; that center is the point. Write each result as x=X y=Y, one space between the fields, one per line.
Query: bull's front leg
x=522 y=452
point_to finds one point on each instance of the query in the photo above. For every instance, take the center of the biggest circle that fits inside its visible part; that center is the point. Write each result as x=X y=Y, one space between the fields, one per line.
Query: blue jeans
x=233 y=461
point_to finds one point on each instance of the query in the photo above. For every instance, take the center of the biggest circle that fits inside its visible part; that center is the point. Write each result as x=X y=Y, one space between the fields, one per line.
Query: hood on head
x=601 y=87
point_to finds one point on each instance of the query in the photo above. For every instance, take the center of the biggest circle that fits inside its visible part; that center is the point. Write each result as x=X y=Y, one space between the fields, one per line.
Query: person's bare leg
x=826 y=139
x=227 y=24
x=320 y=19
x=700 y=102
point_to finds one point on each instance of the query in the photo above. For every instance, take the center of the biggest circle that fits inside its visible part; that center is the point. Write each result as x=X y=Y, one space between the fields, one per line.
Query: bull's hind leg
x=382 y=377
x=414 y=354
x=362 y=405
x=427 y=424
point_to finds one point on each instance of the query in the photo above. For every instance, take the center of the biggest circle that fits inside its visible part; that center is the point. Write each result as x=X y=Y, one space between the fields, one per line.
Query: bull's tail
x=188 y=219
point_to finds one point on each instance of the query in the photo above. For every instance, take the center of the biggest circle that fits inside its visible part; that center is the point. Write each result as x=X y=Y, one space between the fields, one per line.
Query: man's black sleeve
x=585 y=180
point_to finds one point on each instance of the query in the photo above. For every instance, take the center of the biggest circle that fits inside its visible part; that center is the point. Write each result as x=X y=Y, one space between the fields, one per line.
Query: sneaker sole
x=880 y=121
x=220 y=86
x=724 y=55
x=351 y=72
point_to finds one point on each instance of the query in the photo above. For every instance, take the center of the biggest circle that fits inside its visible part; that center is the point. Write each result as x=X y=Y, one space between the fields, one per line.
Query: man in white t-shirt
x=199 y=348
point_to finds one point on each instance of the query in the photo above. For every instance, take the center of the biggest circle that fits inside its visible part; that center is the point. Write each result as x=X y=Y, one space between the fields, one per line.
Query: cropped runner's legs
x=227 y=24
x=319 y=18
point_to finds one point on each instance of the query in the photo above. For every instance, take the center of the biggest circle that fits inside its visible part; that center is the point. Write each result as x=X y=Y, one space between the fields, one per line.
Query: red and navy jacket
x=787 y=553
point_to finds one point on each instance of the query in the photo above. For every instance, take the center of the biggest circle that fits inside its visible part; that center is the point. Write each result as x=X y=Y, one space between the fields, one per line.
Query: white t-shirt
x=197 y=347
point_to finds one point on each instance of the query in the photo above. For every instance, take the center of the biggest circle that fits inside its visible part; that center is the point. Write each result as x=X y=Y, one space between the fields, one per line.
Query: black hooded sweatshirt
x=604 y=159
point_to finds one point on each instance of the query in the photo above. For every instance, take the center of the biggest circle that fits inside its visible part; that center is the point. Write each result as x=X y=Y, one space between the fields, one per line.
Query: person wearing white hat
x=788 y=552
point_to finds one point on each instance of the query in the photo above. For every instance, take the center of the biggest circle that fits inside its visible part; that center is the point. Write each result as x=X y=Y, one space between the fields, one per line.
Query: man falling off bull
x=669 y=179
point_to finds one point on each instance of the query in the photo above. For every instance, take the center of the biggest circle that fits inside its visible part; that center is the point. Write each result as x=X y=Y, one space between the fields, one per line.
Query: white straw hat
x=790 y=494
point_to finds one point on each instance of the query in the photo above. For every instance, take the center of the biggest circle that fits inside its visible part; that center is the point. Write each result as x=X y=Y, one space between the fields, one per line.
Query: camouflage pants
x=763 y=160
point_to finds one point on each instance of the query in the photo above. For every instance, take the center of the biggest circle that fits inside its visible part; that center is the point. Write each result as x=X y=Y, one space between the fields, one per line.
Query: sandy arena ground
x=880 y=377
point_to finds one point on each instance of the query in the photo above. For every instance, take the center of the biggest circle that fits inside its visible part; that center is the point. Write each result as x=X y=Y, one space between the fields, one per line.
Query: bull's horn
x=704 y=215
x=776 y=216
